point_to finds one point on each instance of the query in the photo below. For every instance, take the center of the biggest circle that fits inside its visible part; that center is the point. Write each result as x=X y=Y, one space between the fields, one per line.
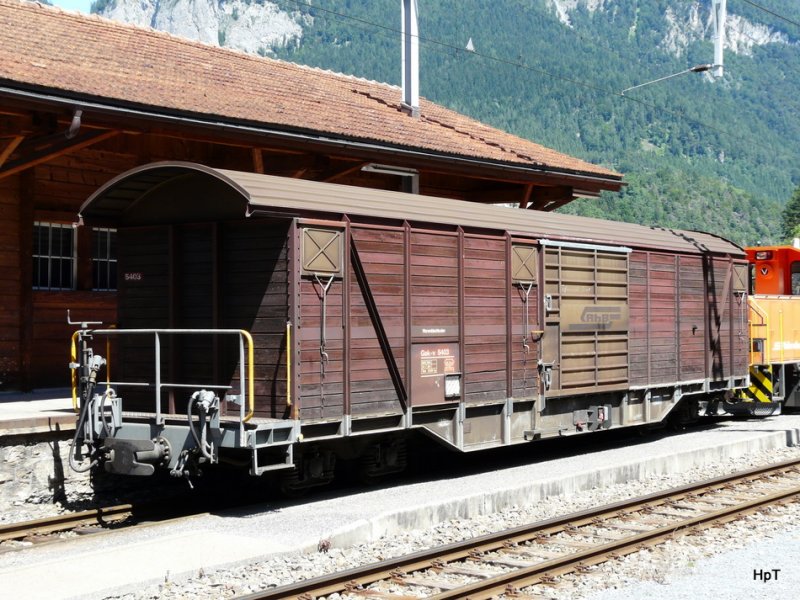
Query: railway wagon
x=284 y=324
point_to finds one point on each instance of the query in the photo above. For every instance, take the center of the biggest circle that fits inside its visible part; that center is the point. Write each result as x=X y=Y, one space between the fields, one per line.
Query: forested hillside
x=717 y=155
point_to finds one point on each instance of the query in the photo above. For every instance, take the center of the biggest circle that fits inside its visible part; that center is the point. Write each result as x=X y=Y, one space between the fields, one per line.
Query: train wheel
x=313 y=469
x=289 y=484
x=381 y=460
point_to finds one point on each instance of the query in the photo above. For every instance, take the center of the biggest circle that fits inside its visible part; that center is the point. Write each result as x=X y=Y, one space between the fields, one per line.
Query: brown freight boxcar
x=290 y=322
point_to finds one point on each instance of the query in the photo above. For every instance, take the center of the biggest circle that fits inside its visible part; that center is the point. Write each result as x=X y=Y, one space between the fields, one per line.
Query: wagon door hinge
x=546 y=371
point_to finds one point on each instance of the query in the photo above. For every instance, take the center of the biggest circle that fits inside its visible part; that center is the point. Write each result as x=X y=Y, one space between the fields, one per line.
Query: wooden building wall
x=11 y=303
x=230 y=275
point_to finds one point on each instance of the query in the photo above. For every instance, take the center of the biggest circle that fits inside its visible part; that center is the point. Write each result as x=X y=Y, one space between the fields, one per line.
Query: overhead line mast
x=410 y=56
x=718 y=12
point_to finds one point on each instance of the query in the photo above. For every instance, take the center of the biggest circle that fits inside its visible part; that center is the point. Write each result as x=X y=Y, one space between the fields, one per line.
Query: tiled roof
x=76 y=54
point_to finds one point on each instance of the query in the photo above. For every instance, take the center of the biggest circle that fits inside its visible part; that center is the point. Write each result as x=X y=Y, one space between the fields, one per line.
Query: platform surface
x=246 y=535
x=40 y=411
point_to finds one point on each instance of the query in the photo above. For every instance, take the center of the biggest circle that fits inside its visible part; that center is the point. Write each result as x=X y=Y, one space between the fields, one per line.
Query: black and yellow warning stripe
x=760 y=389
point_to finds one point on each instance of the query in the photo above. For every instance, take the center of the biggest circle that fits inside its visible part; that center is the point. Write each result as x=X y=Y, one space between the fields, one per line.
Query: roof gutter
x=185 y=119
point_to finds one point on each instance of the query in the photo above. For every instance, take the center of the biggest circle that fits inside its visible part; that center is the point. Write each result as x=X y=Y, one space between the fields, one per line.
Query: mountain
x=699 y=153
x=255 y=27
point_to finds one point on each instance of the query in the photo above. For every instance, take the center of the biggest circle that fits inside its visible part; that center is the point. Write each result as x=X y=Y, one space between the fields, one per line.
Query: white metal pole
x=410 y=55
x=718 y=10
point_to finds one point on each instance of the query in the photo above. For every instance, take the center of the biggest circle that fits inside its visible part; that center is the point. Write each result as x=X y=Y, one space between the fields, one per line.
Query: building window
x=796 y=278
x=104 y=259
x=53 y=256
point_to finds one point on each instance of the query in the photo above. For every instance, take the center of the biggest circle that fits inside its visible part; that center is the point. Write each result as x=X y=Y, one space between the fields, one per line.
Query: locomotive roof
x=92 y=59
x=186 y=192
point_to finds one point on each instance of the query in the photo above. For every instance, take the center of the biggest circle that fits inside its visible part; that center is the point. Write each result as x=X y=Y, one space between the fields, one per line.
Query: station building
x=83 y=99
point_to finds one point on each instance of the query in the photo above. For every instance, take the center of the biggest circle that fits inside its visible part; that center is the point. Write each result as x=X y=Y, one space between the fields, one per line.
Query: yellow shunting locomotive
x=774 y=321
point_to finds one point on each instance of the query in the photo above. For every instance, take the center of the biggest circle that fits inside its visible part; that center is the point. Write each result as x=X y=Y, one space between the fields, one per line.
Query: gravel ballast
x=277 y=542
x=677 y=561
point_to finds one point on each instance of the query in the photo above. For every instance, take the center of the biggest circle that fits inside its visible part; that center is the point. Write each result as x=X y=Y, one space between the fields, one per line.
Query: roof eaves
x=73 y=100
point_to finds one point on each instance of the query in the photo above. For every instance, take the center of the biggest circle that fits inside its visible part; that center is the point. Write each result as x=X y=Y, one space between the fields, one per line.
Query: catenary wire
x=772 y=12
x=604 y=91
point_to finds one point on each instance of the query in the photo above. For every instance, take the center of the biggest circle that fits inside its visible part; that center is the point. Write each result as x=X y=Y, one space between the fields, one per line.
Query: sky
x=81 y=5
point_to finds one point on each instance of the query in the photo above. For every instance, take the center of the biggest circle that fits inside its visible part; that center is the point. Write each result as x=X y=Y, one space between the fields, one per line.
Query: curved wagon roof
x=185 y=192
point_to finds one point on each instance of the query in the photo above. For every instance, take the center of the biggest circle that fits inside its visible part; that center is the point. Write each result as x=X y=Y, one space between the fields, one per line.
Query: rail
x=66 y=522
x=246 y=384
x=540 y=552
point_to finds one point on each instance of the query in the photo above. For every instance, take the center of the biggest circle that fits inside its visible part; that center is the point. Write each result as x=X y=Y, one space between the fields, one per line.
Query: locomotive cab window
x=796 y=278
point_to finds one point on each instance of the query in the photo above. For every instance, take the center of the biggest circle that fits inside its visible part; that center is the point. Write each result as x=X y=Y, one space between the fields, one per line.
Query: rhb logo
x=601 y=315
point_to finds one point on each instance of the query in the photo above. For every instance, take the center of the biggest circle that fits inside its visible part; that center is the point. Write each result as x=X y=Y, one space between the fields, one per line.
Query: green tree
x=791 y=215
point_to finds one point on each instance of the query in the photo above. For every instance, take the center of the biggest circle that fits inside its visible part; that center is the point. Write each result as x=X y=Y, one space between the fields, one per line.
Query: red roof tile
x=87 y=55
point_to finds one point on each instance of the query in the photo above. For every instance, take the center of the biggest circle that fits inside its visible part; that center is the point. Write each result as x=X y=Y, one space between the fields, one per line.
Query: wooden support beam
x=496 y=194
x=286 y=164
x=526 y=197
x=557 y=204
x=54 y=150
x=258 y=161
x=26 y=340
x=10 y=147
x=332 y=176
x=550 y=198
x=533 y=196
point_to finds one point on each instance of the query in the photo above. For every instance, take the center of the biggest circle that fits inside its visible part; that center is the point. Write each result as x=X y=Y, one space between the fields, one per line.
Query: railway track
x=104 y=517
x=514 y=562
x=101 y=519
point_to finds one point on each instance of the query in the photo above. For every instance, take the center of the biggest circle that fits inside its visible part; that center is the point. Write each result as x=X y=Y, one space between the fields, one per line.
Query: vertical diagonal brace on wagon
x=525 y=287
x=324 y=286
x=377 y=324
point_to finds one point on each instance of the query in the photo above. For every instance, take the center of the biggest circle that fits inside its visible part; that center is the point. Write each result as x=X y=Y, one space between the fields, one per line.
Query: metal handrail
x=73 y=355
x=247 y=394
x=288 y=363
x=765 y=324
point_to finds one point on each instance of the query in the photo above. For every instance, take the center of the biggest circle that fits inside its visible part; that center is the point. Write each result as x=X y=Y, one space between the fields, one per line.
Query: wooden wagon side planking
x=479 y=325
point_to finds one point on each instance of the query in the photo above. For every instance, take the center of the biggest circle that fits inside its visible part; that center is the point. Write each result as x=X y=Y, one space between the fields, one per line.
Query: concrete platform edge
x=425 y=516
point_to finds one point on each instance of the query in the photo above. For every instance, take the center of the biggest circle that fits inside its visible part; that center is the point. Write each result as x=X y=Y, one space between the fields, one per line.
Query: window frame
x=49 y=257
x=107 y=260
